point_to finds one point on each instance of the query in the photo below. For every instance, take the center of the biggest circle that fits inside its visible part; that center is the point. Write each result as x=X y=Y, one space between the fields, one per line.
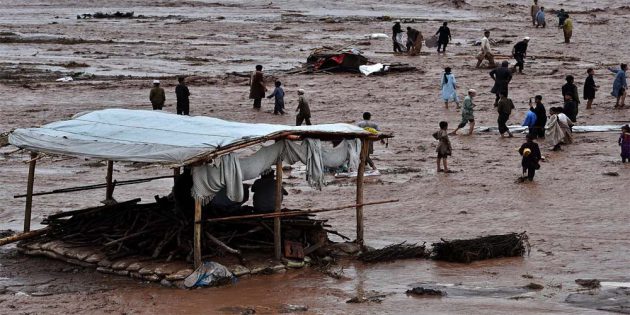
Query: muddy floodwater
x=575 y=212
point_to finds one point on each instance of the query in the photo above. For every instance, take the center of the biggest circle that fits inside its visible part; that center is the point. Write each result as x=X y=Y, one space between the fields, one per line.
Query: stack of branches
x=159 y=230
x=108 y=15
x=492 y=246
x=394 y=252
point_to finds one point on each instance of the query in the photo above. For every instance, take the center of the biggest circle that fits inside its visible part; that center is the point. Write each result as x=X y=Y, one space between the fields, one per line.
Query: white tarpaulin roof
x=150 y=136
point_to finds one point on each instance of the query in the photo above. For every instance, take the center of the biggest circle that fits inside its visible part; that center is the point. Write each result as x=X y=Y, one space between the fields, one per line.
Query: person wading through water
x=257 y=88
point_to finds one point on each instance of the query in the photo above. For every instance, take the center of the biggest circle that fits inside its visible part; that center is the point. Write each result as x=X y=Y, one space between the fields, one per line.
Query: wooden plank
x=277 y=230
x=109 y=181
x=29 y=192
x=359 y=200
x=197 y=236
x=96 y=186
x=22 y=236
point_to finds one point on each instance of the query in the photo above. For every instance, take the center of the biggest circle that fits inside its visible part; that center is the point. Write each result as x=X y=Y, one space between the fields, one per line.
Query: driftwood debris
x=22 y=236
x=394 y=252
x=422 y=291
x=492 y=246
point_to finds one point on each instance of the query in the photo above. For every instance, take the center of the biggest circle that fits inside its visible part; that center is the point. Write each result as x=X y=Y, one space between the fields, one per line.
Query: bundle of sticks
x=159 y=230
x=492 y=246
x=394 y=252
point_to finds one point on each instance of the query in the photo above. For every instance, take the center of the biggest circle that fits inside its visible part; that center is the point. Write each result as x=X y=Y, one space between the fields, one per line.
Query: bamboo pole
x=29 y=192
x=22 y=236
x=109 y=191
x=360 y=173
x=197 y=236
x=295 y=213
x=277 y=230
x=175 y=174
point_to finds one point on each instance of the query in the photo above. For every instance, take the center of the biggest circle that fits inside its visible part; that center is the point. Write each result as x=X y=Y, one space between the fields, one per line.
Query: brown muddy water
x=575 y=215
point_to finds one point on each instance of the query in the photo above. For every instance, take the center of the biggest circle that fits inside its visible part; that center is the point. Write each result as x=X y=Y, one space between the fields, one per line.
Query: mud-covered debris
x=394 y=252
x=588 y=283
x=291 y=308
x=422 y=291
x=108 y=15
x=611 y=173
x=366 y=299
x=486 y=247
x=534 y=286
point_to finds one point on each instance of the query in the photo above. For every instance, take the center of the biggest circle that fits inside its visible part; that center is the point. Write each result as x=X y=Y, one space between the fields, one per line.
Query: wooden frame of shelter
x=207 y=157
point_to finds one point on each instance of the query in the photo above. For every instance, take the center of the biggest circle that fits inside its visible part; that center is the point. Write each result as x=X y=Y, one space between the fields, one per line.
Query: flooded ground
x=574 y=214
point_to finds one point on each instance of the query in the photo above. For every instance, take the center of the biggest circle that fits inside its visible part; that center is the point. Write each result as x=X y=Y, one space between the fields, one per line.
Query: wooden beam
x=175 y=174
x=277 y=230
x=109 y=181
x=29 y=192
x=22 y=236
x=360 y=172
x=197 y=236
x=295 y=213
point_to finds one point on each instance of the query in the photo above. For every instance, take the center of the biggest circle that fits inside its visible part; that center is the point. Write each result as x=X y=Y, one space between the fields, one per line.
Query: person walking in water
x=589 y=88
x=303 y=110
x=519 y=51
x=624 y=143
x=182 y=93
x=397 y=36
x=540 y=18
x=257 y=87
x=449 y=88
x=541 y=116
x=533 y=10
x=372 y=127
x=620 y=85
x=157 y=96
x=567 y=29
x=444 y=148
x=502 y=77
x=486 y=50
x=444 y=37
x=278 y=95
x=531 y=156
x=504 y=108
x=467 y=113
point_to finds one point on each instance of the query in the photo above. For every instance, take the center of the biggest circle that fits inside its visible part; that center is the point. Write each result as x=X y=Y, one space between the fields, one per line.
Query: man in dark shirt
x=531 y=155
x=412 y=34
x=502 y=77
x=182 y=93
x=570 y=107
x=396 y=30
x=520 y=52
x=264 y=190
x=571 y=89
x=444 y=36
x=541 y=117
x=589 y=88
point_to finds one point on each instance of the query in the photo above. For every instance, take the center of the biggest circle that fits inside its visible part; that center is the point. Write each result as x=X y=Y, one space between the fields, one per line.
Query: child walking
x=531 y=155
x=624 y=142
x=444 y=147
x=278 y=93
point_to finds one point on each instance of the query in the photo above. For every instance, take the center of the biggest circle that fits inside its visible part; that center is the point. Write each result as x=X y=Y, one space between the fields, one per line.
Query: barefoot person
x=467 y=113
x=531 y=156
x=620 y=86
x=449 y=88
x=504 y=108
x=589 y=88
x=444 y=148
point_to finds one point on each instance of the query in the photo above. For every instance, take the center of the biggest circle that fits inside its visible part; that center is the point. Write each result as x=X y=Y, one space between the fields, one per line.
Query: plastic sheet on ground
x=369 y=69
x=209 y=274
x=576 y=129
x=377 y=36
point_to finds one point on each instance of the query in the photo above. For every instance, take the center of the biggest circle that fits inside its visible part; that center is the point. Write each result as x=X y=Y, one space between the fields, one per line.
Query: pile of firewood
x=159 y=230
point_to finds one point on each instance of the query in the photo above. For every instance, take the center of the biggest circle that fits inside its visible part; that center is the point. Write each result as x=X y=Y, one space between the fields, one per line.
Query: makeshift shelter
x=207 y=145
x=336 y=59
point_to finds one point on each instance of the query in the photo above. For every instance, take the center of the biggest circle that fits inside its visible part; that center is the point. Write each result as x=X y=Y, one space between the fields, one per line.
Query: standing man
x=571 y=89
x=397 y=36
x=567 y=28
x=570 y=108
x=444 y=36
x=561 y=17
x=365 y=124
x=486 y=50
x=157 y=96
x=533 y=11
x=264 y=190
x=257 y=87
x=519 y=51
x=504 y=107
x=620 y=85
x=541 y=117
x=531 y=155
x=303 y=110
x=502 y=77
x=412 y=34
x=182 y=93
x=589 y=88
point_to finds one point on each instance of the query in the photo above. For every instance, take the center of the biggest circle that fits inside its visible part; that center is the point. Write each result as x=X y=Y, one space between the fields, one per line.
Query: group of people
x=564 y=20
x=157 y=96
x=412 y=45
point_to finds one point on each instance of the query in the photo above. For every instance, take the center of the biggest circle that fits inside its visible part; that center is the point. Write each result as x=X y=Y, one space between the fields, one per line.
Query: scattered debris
x=421 y=291
x=290 y=308
x=209 y=274
x=108 y=15
x=65 y=79
x=394 y=252
x=74 y=64
x=610 y=173
x=367 y=299
x=492 y=246
x=588 y=283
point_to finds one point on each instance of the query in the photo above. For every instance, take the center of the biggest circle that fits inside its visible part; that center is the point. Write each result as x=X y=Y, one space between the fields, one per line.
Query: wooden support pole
x=109 y=181
x=360 y=172
x=29 y=192
x=277 y=230
x=197 y=237
x=175 y=173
